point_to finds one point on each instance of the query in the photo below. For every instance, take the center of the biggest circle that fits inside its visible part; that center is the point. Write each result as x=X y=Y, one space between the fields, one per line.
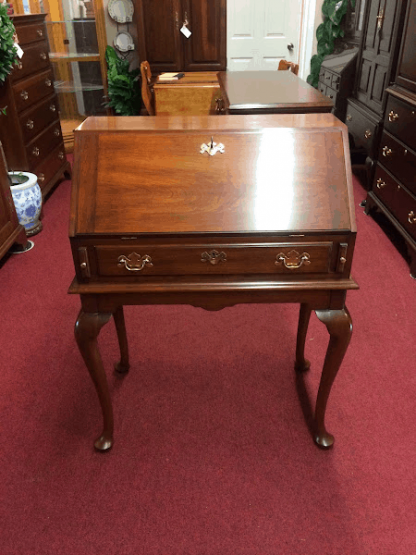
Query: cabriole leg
x=123 y=366
x=87 y=328
x=301 y=364
x=339 y=325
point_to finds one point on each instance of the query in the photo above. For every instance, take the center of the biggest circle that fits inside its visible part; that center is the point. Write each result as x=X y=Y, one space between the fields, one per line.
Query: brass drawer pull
x=134 y=262
x=387 y=151
x=30 y=124
x=52 y=108
x=48 y=82
x=41 y=177
x=380 y=183
x=213 y=257
x=40 y=32
x=212 y=148
x=61 y=156
x=349 y=117
x=367 y=134
x=293 y=260
x=393 y=116
x=43 y=56
x=35 y=151
x=56 y=132
x=20 y=65
x=411 y=217
x=24 y=95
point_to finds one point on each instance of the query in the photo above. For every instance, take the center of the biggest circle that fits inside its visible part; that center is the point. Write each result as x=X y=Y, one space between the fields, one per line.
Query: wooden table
x=158 y=218
x=270 y=92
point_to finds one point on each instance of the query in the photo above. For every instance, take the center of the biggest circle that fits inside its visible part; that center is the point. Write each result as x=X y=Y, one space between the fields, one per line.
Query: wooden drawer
x=331 y=93
x=384 y=186
x=34 y=120
x=405 y=210
x=209 y=259
x=400 y=120
x=399 y=160
x=28 y=92
x=335 y=82
x=361 y=128
x=35 y=59
x=39 y=148
x=46 y=169
x=31 y=33
x=322 y=87
x=328 y=78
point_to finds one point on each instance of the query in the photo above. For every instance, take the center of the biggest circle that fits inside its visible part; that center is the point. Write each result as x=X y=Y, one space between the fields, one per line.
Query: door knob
x=290 y=46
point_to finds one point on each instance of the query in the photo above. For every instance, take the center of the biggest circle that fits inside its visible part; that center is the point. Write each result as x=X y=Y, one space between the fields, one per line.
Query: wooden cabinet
x=163 y=45
x=394 y=185
x=10 y=230
x=31 y=131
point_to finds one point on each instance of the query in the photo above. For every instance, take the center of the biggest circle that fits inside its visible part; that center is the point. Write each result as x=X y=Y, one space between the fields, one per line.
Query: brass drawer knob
x=20 y=65
x=30 y=124
x=387 y=151
x=367 y=134
x=393 y=116
x=40 y=33
x=213 y=257
x=43 y=55
x=134 y=262
x=349 y=117
x=411 y=217
x=61 y=156
x=293 y=260
x=24 y=95
x=56 y=132
x=48 y=82
x=41 y=177
x=35 y=151
x=380 y=183
x=52 y=108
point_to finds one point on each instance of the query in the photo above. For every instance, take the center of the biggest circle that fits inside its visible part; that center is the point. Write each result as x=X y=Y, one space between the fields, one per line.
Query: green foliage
x=8 y=51
x=330 y=29
x=123 y=85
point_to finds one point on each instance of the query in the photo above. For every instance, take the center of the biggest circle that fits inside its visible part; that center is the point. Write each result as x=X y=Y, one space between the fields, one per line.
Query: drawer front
x=39 y=148
x=384 y=186
x=322 y=87
x=278 y=258
x=35 y=59
x=332 y=94
x=31 y=33
x=405 y=210
x=399 y=160
x=400 y=120
x=37 y=118
x=328 y=78
x=322 y=74
x=361 y=128
x=28 y=92
x=335 y=82
x=46 y=169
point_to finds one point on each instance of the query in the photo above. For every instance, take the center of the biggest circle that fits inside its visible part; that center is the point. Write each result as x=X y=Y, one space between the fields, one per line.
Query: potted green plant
x=123 y=86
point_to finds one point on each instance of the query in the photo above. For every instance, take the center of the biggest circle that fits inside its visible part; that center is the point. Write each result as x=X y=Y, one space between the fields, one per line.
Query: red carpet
x=212 y=454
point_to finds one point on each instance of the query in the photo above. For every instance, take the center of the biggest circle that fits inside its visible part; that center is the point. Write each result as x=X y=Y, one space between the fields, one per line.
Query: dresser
x=393 y=189
x=31 y=131
x=212 y=211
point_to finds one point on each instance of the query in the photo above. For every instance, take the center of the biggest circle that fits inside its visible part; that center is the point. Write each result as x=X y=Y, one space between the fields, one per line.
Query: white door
x=262 y=32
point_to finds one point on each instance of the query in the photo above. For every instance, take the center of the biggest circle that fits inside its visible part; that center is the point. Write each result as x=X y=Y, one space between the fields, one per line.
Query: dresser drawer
x=322 y=87
x=38 y=117
x=31 y=90
x=42 y=144
x=361 y=128
x=400 y=120
x=328 y=78
x=399 y=160
x=405 y=210
x=331 y=93
x=384 y=187
x=31 y=33
x=211 y=259
x=335 y=82
x=46 y=169
x=35 y=59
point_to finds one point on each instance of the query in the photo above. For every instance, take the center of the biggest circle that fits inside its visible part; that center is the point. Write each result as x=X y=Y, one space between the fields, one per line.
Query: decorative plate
x=124 y=41
x=121 y=10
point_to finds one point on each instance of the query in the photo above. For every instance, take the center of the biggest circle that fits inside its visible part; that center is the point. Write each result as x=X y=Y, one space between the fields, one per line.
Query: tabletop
x=249 y=92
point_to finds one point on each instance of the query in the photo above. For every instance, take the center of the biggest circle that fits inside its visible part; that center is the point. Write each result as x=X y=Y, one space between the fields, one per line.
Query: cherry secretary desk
x=212 y=212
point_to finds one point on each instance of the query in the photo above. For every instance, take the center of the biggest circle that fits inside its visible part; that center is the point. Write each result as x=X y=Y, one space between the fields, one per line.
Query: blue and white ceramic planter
x=27 y=198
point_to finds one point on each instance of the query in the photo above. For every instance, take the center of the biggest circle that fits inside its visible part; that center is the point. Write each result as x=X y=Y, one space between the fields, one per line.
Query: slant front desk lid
x=160 y=175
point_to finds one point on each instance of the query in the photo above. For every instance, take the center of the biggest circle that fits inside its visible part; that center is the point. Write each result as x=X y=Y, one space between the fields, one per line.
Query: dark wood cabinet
x=31 y=131
x=393 y=189
x=164 y=46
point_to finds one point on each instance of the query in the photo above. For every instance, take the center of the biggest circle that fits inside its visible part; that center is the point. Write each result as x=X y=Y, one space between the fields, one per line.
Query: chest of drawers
x=31 y=131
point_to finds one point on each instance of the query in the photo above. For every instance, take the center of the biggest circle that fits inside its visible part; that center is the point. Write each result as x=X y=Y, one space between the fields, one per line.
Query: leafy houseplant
x=123 y=87
x=333 y=12
x=8 y=51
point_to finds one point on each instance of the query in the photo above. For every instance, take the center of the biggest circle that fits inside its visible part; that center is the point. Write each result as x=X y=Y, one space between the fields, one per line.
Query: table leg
x=301 y=364
x=339 y=325
x=123 y=366
x=87 y=328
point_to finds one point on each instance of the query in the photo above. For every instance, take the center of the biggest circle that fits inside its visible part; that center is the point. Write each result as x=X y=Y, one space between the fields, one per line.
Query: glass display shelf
x=71 y=86
x=73 y=57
